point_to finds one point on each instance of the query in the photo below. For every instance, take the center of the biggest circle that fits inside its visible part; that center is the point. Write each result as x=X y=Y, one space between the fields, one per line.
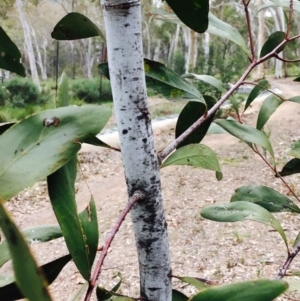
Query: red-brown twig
x=246 y=4
x=137 y=196
x=285 y=60
x=291 y=256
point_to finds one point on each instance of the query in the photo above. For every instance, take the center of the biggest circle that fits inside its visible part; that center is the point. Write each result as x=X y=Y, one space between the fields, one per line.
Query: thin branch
x=136 y=197
x=171 y=147
x=285 y=60
x=281 y=97
x=273 y=168
x=246 y=4
x=291 y=256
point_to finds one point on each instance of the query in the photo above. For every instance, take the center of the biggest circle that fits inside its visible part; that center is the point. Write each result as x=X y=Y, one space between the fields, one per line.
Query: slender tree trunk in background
x=261 y=38
x=157 y=51
x=125 y=57
x=28 y=42
x=192 y=54
x=173 y=47
x=148 y=39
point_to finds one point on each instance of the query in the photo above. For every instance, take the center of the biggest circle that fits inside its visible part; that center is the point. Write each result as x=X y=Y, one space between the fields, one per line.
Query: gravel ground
x=222 y=253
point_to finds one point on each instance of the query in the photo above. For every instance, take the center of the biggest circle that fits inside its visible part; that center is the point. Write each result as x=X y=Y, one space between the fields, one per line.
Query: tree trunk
x=125 y=57
x=28 y=43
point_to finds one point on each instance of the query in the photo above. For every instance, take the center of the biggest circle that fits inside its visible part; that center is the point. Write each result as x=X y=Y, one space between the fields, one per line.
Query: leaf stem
x=136 y=197
x=290 y=257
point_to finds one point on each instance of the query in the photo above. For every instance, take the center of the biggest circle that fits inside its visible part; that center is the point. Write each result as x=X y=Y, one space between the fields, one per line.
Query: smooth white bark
x=261 y=38
x=125 y=56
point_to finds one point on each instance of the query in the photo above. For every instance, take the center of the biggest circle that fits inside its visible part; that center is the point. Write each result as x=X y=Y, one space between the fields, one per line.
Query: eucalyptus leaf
x=51 y=270
x=295 y=150
x=196 y=155
x=265 y=197
x=10 y=58
x=297 y=241
x=246 y=133
x=194 y=13
x=32 y=235
x=240 y=211
x=4 y=127
x=262 y=86
x=189 y=115
x=178 y=296
x=26 y=271
x=290 y=168
x=63 y=92
x=272 y=42
x=75 y=26
x=297 y=79
x=165 y=82
x=281 y=3
x=259 y=290
x=200 y=285
x=207 y=79
x=46 y=140
x=269 y=106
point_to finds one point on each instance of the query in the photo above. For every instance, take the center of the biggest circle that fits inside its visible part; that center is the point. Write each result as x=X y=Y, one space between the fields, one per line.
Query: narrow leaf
x=80 y=292
x=269 y=106
x=262 y=86
x=207 y=79
x=295 y=99
x=165 y=81
x=46 y=140
x=10 y=58
x=32 y=235
x=297 y=241
x=62 y=196
x=265 y=197
x=178 y=296
x=240 y=211
x=290 y=168
x=272 y=42
x=224 y=30
x=259 y=290
x=246 y=133
x=197 y=155
x=4 y=127
x=200 y=285
x=194 y=13
x=94 y=140
x=190 y=114
x=75 y=26
x=51 y=270
x=297 y=79
x=281 y=3
x=25 y=268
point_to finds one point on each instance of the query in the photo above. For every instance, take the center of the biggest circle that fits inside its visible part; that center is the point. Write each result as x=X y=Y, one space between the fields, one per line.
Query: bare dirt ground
x=223 y=253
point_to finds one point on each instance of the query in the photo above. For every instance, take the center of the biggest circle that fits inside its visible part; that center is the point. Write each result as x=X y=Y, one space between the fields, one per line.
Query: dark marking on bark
x=154 y=289
x=144 y=140
x=132 y=138
x=116 y=49
x=135 y=78
x=121 y=6
x=126 y=24
x=124 y=132
x=124 y=77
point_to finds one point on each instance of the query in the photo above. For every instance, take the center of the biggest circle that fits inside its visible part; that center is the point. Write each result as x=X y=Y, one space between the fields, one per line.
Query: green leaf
x=297 y=79
x=25 y=268
x=240 y=211
x=197 y=155
x=75 y=26
x=89 y=224
x=32 y=235
x=165 y=81
x=190 y=114
x=104 y=294
x=62 y=196
x=80 y=292
x=63 y=92
x=246 y=133
x=32 y=143
x=224 y=30
x=94 y=140
x=272 y=42
x=51 y=270
x=265 y=197
x=297 y=241
x=290 y=168
x=269 y=106
x=262 y=86
x=295 y=99
x=178 y=296
x=281 y=3
x=295 y=150
x=215 y=129
x=259 y=290
x=207 y=79
x=194 y=13
x=198 y=284
x=10 y=58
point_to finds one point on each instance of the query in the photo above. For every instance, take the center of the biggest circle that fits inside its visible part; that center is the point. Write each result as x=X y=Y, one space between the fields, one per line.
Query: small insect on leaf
x=51 y=121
